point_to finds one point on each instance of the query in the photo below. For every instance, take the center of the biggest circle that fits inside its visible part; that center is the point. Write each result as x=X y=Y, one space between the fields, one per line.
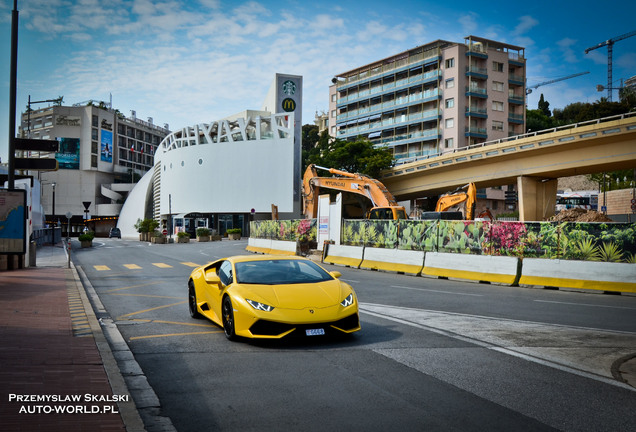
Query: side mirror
x=335 y=274
x=212 y=278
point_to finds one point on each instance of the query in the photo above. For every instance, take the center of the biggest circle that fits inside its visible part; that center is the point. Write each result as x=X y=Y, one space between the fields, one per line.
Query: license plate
x=315 y=332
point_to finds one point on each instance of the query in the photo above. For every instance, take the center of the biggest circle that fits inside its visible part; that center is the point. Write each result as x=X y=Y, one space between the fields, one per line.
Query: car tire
x=228 y=318
x=192 y=301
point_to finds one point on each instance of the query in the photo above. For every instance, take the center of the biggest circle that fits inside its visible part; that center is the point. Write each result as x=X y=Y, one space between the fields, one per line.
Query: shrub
x=146 y=225
x=183 y=234
x=234 y=231
x=203 y=232
x=86 y=236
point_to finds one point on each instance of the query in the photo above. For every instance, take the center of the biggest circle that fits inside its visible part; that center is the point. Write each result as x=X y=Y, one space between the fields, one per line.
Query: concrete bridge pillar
x=537 y=198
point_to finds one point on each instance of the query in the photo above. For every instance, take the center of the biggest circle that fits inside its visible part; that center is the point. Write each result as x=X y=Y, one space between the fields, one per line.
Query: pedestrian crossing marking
x=101 y=267
x=162 y=265
x=190 y=264
x=132 y=266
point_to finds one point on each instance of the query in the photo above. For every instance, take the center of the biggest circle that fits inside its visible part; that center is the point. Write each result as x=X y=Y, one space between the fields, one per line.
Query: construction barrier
x=604 y=276
x=259 y=245
x=403 y=261
x=350 y=256
x=487 y=268
x=280 y=247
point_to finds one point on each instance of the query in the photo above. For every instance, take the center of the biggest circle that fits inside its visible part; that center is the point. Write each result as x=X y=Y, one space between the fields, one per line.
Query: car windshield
x=278 y=272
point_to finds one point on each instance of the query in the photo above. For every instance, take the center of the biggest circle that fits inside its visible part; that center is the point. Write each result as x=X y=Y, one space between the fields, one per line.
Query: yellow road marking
x=161 y=265
x=173 y=322
x=173 y=334
x=190 y=264
x=151 y=309
x=147 y=295
x=133 y=286
x=132 y=266
x=101 y=267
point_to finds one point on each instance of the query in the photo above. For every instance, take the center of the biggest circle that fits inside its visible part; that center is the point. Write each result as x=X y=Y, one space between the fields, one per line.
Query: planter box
x=216 y=237
x=203 y=238
x=158 y=240
x=86 y=243
x=183 y=239
x=234 y=236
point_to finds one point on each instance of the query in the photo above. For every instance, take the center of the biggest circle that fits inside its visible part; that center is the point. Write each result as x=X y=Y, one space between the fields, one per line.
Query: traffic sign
x=36 y=164
x=36 y=144
x=633 y=201
x=164 y=232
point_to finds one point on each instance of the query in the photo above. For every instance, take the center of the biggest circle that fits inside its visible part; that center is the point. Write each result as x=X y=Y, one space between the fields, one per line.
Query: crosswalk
x=131 y=266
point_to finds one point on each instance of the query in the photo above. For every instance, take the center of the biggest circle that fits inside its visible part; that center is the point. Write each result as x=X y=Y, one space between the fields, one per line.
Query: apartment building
x=434 y=98
x=101 y=155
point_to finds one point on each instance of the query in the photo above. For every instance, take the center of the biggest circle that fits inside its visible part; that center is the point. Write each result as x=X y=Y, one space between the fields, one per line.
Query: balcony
x=477 y=72
x=514 y=99
x=476 y=132
x=515 y=79
x=477 y=92
x=476 y=112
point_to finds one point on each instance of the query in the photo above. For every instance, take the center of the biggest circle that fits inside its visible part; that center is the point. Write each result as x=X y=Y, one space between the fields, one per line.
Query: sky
x=184 y=62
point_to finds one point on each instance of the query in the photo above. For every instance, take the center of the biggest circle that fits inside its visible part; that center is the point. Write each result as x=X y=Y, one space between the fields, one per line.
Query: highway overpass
x=533 y=161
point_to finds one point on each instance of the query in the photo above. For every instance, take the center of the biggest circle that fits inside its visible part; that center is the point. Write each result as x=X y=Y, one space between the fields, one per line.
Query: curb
x=123 y=371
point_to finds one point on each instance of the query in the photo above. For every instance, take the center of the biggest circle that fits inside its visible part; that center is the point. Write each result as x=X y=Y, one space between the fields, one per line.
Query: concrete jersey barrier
x=488 y=268
x=344 y=255
x=403 y=261
x=604 y=276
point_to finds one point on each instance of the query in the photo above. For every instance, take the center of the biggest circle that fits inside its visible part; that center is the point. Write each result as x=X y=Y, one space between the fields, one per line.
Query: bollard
x=69 y=252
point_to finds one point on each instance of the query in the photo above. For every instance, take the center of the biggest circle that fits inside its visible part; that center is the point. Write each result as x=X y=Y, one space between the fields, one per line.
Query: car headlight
x=260 y=306
x=348 y=301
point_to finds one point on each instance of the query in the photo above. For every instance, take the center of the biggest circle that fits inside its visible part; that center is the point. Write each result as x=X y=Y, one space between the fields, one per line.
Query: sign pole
x=12 y=92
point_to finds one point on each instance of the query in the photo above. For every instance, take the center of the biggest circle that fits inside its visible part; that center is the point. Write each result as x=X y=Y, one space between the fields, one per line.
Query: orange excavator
x=466 y=195
x=384 y=205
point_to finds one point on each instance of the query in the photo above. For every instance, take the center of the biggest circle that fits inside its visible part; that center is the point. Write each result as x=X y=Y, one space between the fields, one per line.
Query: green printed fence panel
x=353 y=232
x=418 y=235
x=610 y=242
x=466 y=237
x=613 y=242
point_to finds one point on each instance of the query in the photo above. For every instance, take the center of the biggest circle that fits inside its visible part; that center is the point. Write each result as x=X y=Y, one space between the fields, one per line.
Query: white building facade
x=222 y=174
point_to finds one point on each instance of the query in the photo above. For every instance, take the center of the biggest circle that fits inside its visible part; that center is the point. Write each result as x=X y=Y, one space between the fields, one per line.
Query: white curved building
x=222 y=174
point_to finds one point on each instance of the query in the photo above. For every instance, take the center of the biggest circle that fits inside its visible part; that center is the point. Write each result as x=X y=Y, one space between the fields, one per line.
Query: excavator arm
x=358 y=184
x=465 y=194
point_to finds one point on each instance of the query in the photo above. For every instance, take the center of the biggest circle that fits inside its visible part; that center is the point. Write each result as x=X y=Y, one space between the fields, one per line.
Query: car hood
x=298 y=296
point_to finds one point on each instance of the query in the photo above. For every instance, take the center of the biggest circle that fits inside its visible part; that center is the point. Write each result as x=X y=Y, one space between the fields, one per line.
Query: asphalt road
x=432 y=354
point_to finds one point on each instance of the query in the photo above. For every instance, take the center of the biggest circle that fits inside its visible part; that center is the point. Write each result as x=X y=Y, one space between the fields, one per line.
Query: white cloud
x=566 y=47
x=526 y=23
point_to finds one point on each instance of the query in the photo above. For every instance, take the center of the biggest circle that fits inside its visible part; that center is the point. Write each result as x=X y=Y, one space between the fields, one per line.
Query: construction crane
x=529 y=89
x=610 y=45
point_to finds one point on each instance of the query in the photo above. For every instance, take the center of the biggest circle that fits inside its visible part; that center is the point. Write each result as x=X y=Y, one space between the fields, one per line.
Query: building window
x=333 y=97
x=450 y=123
x=497 y=126
x=450 y=83
x=497 y=106
x=93 y=161
x=95 y=121
x=497 y=86
x=94 y=147
x=497 y=67
x=450 y=103
x=94 y=134
x=449 y=142
x=333 y=113
x=450 y=63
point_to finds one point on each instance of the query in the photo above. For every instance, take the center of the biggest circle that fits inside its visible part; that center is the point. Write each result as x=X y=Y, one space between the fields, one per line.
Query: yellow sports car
x=264 y=296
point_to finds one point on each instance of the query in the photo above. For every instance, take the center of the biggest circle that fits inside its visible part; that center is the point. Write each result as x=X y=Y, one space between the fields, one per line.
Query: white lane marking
x=585 y=304
x=509 y=337
x=437 y=291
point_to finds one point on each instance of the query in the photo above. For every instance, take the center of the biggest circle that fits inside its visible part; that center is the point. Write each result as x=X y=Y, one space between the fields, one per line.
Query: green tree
x=536 y=120
x=359 y=156
x=544 y=106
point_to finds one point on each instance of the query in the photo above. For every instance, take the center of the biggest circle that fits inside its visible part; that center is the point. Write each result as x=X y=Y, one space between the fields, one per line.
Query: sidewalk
x=52 y=375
